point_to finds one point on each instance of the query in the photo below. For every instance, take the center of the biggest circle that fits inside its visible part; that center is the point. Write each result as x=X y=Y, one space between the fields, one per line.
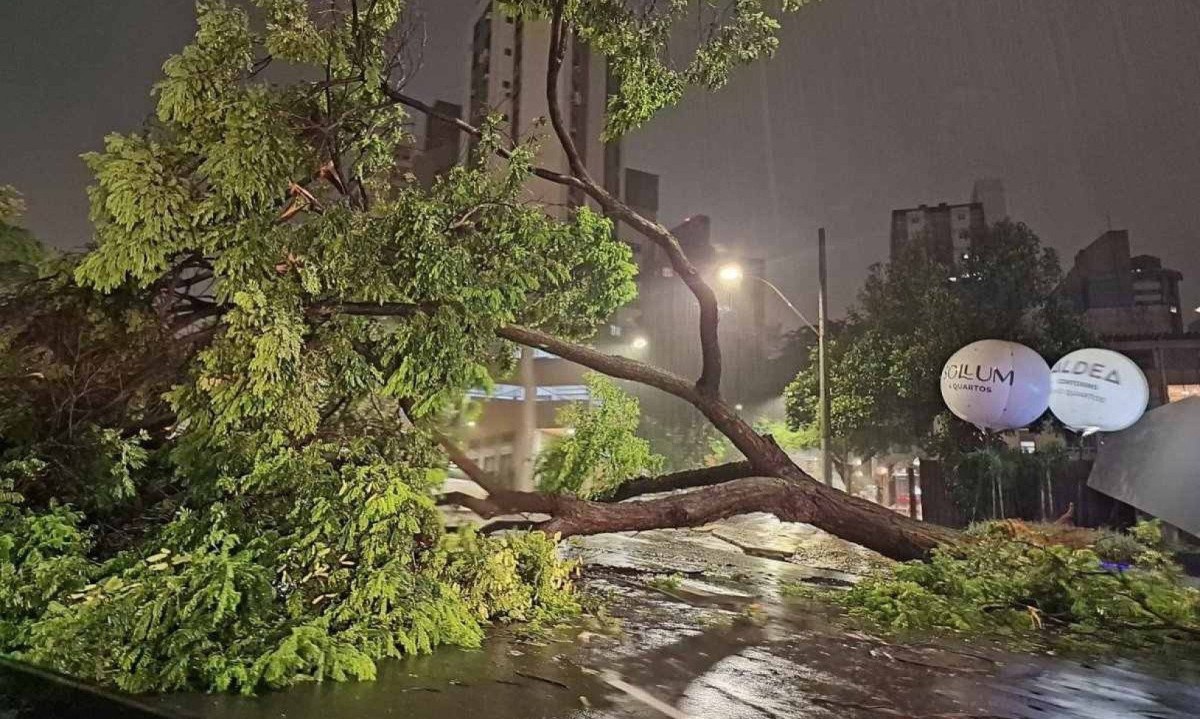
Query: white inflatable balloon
x=996 y=385
x=1095 y=390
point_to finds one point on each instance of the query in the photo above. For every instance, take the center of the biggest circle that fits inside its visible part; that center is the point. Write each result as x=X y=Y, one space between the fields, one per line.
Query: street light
x=639 y=343
x=732 y=273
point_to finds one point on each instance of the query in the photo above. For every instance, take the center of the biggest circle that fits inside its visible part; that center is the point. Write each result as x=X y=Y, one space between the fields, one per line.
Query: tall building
x=509 y=59
x=507 y=75
x=949 y=232
x=1156 y=286
x=1132 y=303
x=946 y=232
x=1120 y=294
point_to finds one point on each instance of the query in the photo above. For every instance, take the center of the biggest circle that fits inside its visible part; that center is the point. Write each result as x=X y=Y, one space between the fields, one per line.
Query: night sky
x=1089 y=110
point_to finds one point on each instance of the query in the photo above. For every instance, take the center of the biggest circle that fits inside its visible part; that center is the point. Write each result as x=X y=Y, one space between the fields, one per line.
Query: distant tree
x=912 y=314
x=20 y=251
x=602 y=449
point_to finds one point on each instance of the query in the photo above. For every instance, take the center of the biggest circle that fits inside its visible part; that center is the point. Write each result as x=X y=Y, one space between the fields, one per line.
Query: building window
x=1028 y=446
x=506 y=84
x=614 y=330
x=508 y=52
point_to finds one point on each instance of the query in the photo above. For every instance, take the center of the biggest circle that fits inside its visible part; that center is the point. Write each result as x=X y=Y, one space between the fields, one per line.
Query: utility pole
x=822 y=366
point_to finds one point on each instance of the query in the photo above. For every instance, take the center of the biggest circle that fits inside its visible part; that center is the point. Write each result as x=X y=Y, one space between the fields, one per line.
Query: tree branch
x=611 y=365
x=469 y=129
x=804 y=500
x=687 y=479
x=709 y=382
x=478 y=474
x=373 y=309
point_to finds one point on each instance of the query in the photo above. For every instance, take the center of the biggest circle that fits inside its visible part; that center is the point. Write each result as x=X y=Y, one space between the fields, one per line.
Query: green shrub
x=1006 y=581
x=603 y=449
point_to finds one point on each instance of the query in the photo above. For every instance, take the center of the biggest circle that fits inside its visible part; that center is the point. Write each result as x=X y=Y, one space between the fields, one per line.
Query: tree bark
x=777 y=485
x=687 y=479
x=791 y=500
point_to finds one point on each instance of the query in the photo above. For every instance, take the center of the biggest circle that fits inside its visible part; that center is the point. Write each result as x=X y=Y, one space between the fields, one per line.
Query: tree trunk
x=792 y=499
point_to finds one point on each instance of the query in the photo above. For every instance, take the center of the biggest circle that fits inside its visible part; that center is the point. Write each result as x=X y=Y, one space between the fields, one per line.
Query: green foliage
x=215 y=468
x=996 y=482
x=21 y=254
x=83 y=379
x=602 y=449
x=635 y=39
x=318 y=562
x=517 y=577
x=666 y=582
x=686 y=444
x=790 y=439
x=885 y=362
x=1017 y=581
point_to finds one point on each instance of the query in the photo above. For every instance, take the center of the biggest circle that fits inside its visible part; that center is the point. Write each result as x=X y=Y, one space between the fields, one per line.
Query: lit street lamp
x=639 y=343
x=732 y=274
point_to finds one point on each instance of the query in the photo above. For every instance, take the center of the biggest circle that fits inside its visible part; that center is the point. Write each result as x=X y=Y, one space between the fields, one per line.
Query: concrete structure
x=506 y=73
x=946 y=232
x=438 y=150
x=1120 y=294
x=508 y=63
x=1132 y=303
x=1171 y=362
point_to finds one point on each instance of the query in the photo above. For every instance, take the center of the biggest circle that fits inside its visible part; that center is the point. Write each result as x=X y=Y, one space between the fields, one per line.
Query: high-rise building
x=509 y=60
x=1133 y=305
x=1120 y=294
x=946 y=232
x=507 y=76
x=1156 y=286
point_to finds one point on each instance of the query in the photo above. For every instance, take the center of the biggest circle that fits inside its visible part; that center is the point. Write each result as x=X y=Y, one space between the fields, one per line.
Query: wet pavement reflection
x=698 y=651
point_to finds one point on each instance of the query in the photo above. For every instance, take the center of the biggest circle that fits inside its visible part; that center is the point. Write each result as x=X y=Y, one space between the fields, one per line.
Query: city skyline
x=1081 y=108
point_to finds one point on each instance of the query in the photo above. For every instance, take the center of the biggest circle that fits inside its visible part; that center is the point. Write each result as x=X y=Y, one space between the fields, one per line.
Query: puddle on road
x=709 y=661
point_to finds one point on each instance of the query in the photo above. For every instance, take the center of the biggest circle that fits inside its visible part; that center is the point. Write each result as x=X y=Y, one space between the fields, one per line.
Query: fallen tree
x=350 y=249
x=267 y=463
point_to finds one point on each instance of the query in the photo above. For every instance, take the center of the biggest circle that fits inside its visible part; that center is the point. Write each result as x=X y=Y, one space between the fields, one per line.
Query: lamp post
x=732 y=274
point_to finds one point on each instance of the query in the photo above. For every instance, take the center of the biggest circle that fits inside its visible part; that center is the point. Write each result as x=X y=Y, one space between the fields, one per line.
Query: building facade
x=507 y=70
x=945 y=232
x=1132 y=304
x=507 y=76
x=1123 y=295
x=948 y=232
